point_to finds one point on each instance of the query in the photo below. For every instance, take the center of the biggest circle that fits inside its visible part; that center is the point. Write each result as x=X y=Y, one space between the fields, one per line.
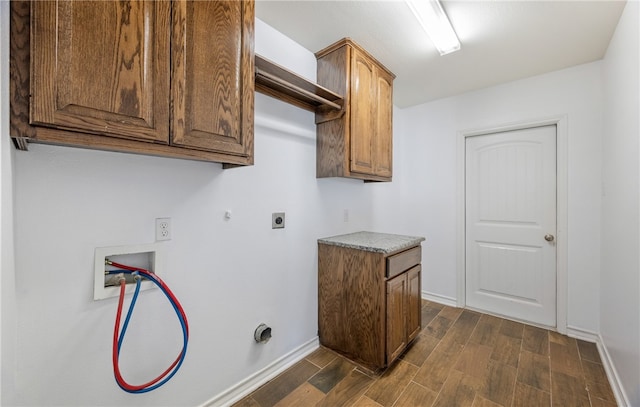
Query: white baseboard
x=440 y=299
x=607 y=362
x=612 y=374
x=244 y=387
x=584 y=334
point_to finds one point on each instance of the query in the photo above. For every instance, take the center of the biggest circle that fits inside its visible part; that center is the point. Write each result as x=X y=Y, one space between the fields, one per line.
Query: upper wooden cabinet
x=152 y=77
x=358 y=142
x=212 y=81
x=101 y=67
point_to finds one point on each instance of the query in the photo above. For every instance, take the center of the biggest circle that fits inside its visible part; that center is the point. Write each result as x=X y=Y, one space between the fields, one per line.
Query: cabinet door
x=397 y=291
x=213 y=75
x=414 y=305
x=101 y=67
x=362 y=120
x=383 y=145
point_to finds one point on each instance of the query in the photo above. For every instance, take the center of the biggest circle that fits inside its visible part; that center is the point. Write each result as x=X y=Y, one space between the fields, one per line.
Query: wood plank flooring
x=461 y=358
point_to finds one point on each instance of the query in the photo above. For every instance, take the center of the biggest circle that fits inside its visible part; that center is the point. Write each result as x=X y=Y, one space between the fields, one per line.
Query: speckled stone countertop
x=373 y=242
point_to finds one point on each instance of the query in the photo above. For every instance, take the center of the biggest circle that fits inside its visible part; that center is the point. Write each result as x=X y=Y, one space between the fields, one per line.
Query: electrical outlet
x=277 y=220
x=163 y=229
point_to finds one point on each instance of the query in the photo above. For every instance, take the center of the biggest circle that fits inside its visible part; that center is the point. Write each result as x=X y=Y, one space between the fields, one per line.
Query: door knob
x=549 y=238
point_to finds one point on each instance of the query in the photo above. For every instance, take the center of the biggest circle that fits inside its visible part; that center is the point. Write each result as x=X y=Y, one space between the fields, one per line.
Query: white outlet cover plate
x=101 y=292
x=159 y=229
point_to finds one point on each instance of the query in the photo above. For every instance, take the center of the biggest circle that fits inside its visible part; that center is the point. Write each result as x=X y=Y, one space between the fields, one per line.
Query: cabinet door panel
x=414 y=305
x=383 y=146
x=396 y=316
x=362 y=123
x=212 y=75
x=101 y=67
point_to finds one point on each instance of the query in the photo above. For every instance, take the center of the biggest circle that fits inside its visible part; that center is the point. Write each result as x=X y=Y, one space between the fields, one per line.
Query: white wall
x=7 y=274
x=620 y=279
x=423 y=197
x=229 y=275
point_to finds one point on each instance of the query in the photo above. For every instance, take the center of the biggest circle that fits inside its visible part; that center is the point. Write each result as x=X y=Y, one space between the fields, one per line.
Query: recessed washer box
x=146 y=256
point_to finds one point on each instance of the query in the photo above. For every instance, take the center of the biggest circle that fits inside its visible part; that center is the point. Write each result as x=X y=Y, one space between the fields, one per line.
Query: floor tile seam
x=402 y=392
x=535 y=388
x=494 y=402
x=362 y=396
x=440 y=390
x=601 y=399
x=606 y=380
x=518 y=368
x=472 y=332
x=550 y=375
x=591 y=397
x=270 y=382
x=407 y=385
x=427 y=333
x=469 y=337
x=321 y=367
x=335 y=385
x=595 y=362
x=365 y=390
x=463 y=344
x=413 y=364
x=599 y=362
x=475 y=396
x=521 y=337
x=431 y=390
x=536 y=351
x=588 y=383
x=584 y=383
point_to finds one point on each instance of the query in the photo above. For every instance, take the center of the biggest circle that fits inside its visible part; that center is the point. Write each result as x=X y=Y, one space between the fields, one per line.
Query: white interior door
x=510 y=192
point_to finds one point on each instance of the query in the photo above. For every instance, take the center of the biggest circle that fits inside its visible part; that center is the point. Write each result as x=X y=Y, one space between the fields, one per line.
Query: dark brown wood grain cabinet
x=169 y=78
x=403 y=311
x=358 y=142
x=369 y=303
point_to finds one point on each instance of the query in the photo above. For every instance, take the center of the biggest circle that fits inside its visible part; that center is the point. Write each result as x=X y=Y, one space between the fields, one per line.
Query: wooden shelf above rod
x=278 y=82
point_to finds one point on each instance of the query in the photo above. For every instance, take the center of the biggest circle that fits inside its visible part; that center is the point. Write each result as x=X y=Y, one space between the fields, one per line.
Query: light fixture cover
x=436 y=23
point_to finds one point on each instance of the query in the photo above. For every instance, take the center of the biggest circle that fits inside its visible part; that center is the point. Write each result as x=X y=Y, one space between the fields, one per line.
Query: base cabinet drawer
x=403 y=261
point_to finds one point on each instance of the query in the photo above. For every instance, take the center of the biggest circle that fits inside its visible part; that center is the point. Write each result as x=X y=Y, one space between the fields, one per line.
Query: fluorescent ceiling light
x=435 y=22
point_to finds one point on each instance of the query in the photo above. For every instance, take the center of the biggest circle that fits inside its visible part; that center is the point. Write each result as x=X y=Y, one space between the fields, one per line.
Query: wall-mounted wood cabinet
x=163 y=78
x=357 y=142
x=369 y=299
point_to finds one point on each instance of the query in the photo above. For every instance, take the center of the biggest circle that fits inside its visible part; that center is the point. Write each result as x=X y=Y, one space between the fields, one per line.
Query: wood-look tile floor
x=461 y=358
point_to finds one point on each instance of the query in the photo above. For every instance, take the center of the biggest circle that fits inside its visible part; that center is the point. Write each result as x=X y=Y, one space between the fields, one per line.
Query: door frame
x=561 y=207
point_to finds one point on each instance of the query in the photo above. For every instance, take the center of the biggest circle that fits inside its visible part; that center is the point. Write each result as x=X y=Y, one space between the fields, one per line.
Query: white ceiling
x=501 y=41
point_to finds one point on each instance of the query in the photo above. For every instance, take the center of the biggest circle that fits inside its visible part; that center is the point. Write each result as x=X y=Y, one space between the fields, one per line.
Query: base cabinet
x=369 y=305
x=403 y=311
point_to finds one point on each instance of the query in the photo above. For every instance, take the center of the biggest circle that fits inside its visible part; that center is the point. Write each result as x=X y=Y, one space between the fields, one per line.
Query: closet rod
x=297 y=89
